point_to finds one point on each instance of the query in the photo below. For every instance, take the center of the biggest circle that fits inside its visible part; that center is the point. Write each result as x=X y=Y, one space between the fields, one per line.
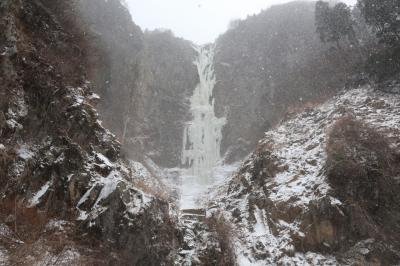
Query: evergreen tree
x=384 y=16
x=322 y=20
x=334 y=24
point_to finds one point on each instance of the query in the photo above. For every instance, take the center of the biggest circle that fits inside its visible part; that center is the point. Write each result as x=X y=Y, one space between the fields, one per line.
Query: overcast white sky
x=200 y=21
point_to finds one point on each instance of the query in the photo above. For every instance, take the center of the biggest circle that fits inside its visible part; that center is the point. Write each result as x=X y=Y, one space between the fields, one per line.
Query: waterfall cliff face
x=202 y=136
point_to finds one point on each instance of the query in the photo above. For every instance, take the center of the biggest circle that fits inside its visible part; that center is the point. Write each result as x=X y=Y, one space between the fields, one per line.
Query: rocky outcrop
x=321 y=188
x=62 y=177
x=269 y=64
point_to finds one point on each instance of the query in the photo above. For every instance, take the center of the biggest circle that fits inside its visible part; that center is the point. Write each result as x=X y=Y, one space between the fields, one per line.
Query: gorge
x=270 y=146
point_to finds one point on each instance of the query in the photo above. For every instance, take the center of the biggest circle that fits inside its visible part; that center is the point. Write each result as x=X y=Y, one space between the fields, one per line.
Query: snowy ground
x=299 y=146
x=192 y=194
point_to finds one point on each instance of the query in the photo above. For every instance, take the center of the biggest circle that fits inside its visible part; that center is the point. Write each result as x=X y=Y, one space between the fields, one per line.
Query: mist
x=199 y=132
x=200 y=21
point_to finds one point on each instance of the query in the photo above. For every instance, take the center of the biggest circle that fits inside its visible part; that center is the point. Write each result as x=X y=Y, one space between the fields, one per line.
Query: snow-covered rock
x=281 y=202
x=57 y=163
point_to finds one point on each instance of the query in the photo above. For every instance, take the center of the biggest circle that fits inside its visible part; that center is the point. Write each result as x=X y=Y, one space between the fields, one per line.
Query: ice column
x=202 y=135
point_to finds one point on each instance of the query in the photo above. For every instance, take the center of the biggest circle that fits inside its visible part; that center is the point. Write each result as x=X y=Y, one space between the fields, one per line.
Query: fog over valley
x=200 y=21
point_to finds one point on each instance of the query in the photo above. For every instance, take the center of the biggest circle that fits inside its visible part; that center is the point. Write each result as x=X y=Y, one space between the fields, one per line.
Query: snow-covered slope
x=281 y=203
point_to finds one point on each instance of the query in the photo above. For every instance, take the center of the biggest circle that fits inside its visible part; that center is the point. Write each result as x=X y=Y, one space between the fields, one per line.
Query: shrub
x=362 y=167
x=384 y=64
x=223 y=232
x=383 y=16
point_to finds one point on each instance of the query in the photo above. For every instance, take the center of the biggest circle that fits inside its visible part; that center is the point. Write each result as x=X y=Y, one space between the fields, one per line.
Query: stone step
x=201 y=212
x=193 y=214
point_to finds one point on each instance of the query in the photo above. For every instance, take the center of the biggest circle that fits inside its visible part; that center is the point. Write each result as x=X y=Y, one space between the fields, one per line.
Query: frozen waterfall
x=202 y=135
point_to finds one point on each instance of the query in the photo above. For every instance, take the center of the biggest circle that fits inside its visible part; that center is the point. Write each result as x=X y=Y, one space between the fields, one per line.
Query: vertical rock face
x=269 y=62
x=145 y=80
x=66 y=193
x=115 y=45
x=203 y=134
x=168 y=79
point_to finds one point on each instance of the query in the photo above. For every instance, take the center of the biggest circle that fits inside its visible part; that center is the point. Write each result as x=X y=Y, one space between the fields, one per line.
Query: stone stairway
x=193 y=215
x=194 y=235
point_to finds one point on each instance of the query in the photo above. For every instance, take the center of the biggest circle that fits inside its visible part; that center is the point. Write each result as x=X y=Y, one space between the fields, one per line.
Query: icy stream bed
x=193 y=194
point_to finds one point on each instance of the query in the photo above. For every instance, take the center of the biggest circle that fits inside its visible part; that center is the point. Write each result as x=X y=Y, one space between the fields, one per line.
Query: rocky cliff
x=264 y=65
x=321 y=188
x=168 y=80
x=270 y=63
x=114 y=53
x=68 y=198
x=145 y=80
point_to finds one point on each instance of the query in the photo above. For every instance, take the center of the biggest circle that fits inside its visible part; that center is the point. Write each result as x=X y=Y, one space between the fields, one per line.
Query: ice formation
x=202 y=136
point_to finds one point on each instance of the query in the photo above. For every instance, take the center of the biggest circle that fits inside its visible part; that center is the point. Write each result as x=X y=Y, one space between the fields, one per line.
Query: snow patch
x=260 y=228
x=104 y=160
x=110 y=183
x=54 y=224
x=299 y=146
x=25 y=153
x=139 y=170
x=12 y=124
x=35 y=200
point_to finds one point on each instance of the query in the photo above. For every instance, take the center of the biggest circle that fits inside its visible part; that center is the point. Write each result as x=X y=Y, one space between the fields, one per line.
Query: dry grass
x=27 y=223
x=6 y=157
x=362 y=167
x=300 y=107
x=355 y=149
x=153 y=191
x=43 y=244
x=224 y=233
